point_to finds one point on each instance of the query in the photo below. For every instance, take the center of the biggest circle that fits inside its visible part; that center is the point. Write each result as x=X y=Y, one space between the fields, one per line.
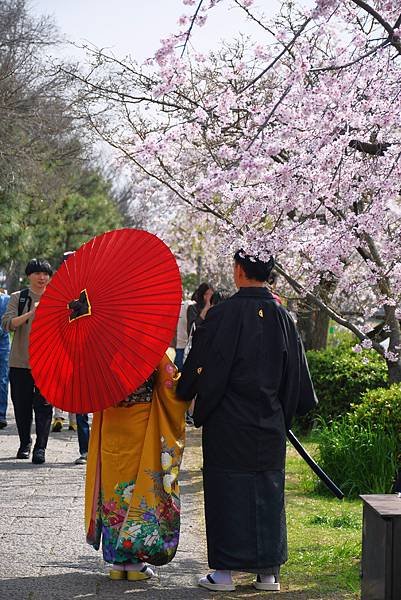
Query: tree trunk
x=12 y=283
x=313 y=320
x=393 y=366
x=313 y=325
x=394 y=376
x=320 y=330
x=198 y=269
x=394 y=371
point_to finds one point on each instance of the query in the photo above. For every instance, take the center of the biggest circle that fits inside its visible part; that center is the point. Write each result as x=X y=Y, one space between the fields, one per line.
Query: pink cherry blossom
x=290 y=147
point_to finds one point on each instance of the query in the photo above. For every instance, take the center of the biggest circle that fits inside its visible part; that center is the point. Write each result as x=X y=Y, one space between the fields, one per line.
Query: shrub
x=341 y=376
x=361 y=451
x=380 y=408
x=360 y=457
x=338 y=335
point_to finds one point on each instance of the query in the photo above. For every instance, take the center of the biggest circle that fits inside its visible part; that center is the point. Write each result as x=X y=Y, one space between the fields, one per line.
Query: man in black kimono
x=248 y=371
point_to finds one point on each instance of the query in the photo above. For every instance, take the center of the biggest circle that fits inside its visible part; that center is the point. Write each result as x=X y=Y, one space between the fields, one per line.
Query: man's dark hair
x=254 y=268
x=37 y=265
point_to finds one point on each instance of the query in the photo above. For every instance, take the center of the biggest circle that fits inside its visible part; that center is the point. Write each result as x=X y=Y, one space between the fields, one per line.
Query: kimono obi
x=142 y=394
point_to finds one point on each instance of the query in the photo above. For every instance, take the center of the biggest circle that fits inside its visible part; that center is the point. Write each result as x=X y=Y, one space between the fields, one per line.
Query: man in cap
x=24 y=394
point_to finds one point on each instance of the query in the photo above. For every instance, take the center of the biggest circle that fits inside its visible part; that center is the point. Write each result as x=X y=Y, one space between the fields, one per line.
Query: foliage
x=380 y=408
x=361 y=457
x=340 y=336
x=51 y=199
x=79 y=207
x=361 y=450
x=32 y=117
x=340 y=377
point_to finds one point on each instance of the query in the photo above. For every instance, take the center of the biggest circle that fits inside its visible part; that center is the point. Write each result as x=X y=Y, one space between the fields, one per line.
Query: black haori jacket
x=248 y=371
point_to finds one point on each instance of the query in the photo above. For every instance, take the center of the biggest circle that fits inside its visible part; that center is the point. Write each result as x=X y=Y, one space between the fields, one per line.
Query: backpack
x=24 y=299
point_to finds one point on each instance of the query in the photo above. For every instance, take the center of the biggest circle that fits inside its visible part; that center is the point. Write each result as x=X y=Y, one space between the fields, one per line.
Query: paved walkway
x=43 y=554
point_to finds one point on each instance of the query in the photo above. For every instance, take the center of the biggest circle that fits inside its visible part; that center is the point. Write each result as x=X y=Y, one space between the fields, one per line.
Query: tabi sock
x=223 y=577
x=267 y=579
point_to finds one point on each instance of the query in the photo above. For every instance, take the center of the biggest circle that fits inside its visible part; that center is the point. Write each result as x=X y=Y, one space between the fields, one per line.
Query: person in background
x=248 y=371
x=182 y=334
x=58 y=421
x=83 y=438
x=217 y=297
x=4 y=353
x=197 y=311
x=25 y=395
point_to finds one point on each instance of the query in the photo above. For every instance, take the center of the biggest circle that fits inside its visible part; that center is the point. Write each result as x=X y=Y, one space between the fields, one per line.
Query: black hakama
x=245 y=520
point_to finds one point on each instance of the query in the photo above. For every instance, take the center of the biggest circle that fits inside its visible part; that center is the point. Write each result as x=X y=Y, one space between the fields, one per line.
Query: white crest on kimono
x=132 y=530
x=152 y=538
x=167 y=481
x=166 y=460
x=127 y=493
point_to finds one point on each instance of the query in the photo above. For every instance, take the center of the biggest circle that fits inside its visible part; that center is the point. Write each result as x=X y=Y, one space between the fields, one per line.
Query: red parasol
x=124 y=293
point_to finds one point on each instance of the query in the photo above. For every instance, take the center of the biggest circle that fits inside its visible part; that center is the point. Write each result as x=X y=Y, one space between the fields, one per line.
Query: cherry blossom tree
x=292 y=145
x=192 y=236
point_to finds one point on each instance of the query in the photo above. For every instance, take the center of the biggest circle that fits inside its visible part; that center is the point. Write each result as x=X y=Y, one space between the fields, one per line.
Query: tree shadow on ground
x=193 y=437
x=191 y=481
x=27 y=464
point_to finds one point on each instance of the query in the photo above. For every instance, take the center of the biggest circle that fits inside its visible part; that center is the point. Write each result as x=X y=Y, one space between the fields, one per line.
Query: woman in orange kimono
x=132 y=504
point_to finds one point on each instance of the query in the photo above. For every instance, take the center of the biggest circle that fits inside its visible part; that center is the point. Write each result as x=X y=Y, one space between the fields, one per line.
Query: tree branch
x=286 y=48
x=385 y=43
x=394 y=40
x=188 y=35
x=315 y=300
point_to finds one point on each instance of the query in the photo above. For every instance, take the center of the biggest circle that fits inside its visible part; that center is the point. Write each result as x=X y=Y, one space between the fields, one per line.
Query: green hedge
x=382 y=409
x=341 y=376
x=361 y=450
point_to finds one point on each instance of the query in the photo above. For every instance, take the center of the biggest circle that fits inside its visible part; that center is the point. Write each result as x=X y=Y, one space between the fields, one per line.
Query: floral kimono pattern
x=132 y=502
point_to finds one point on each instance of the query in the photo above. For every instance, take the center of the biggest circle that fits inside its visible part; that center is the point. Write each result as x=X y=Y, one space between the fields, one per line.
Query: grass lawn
x=324 y=538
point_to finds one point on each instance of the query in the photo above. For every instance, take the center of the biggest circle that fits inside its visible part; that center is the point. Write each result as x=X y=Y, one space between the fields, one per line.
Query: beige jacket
x=19 y=354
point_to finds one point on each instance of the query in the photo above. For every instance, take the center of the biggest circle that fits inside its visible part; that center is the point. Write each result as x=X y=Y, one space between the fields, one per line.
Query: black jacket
x=248 y=370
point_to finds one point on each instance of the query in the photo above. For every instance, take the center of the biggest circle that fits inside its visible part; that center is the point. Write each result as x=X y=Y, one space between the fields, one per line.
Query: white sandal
x=267 y=587
x=209 y=583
